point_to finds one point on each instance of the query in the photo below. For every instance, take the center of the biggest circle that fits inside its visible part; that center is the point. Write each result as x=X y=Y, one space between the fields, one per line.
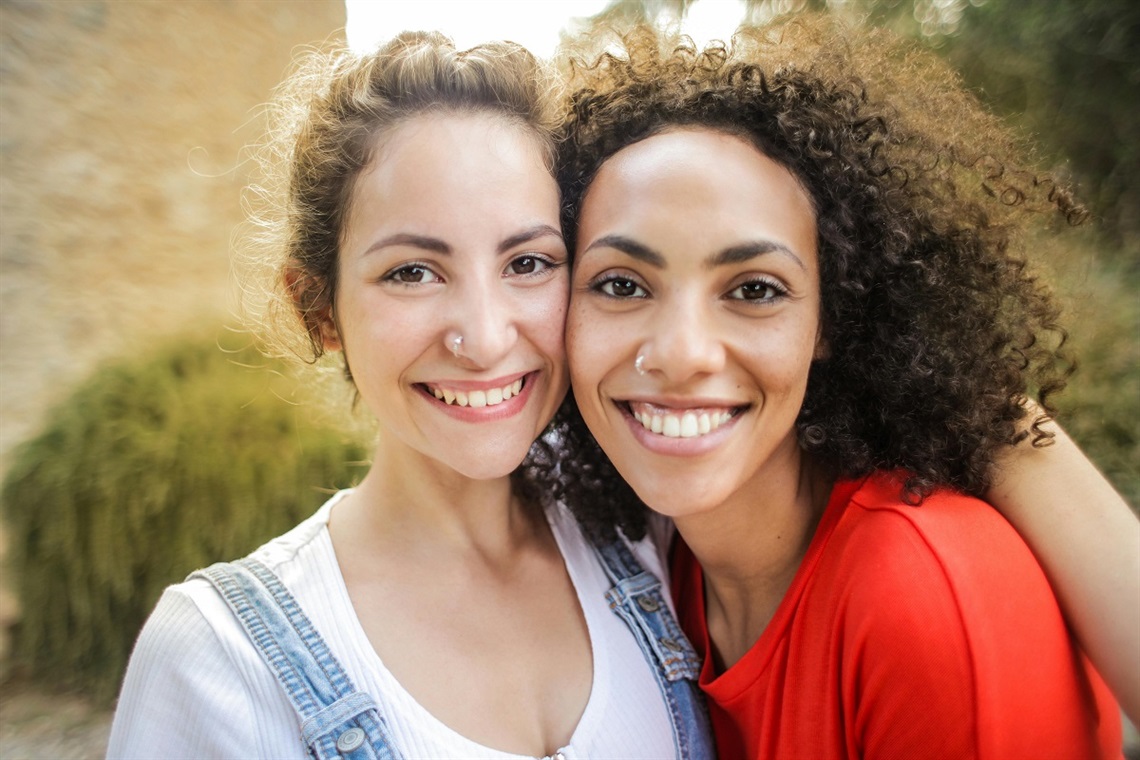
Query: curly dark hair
x=938 y=331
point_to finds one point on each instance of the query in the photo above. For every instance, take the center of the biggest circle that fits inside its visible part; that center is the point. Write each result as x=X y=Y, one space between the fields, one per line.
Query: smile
x=676 y=423
x=477 y=399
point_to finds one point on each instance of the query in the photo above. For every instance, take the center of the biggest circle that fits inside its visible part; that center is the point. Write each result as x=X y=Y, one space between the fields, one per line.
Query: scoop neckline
x=558 y=522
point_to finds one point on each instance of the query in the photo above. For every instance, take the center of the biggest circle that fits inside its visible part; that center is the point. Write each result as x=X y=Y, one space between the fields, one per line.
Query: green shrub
x=152 y=468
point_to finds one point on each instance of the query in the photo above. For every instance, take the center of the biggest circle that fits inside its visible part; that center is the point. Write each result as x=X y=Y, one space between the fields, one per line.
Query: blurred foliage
x=1065 y=72
x=1101 y=406
x=150 y=469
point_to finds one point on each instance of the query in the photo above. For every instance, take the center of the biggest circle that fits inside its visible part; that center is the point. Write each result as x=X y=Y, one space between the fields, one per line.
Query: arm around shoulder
x=1087 y=540
x=957 y=635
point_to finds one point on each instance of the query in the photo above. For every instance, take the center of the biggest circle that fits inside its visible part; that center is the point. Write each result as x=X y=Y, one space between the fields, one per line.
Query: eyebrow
x=732 y=255
x=630 y=248
x=746 y=251
x=435 y=245
x=527 y=235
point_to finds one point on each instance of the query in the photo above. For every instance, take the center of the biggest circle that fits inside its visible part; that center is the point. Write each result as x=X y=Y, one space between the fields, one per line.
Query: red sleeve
x=908 y=675
x=955 y=647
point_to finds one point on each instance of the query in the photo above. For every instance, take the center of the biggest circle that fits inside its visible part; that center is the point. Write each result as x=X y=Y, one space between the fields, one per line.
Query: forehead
x=429 y=143
x=436 y=172
x=697 y=183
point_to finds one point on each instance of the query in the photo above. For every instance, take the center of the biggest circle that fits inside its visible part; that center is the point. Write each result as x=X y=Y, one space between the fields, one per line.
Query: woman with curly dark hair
x=802 y=326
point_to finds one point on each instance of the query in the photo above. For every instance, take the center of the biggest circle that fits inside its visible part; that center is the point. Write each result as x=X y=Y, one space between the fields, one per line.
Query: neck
x=750 y=548
x=416 y=503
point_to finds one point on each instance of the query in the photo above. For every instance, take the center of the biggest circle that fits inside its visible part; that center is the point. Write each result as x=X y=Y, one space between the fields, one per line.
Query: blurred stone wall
x=121 y=132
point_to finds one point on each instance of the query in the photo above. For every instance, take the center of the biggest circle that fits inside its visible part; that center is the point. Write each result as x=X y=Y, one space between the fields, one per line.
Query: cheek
x=387 y=334
x=595 y=345
x=546 y=318
x=783 y=357
x=577 y=345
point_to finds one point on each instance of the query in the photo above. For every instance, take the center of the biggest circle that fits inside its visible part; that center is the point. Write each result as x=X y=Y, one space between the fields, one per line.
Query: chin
x=675 y=500
x=490 y=467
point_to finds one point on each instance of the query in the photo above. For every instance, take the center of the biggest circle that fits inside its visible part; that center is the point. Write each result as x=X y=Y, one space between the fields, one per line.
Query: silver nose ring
x=455 y=345
x=639 y=364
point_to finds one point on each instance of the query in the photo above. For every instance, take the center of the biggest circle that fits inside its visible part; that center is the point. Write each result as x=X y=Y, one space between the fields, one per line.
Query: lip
x=508 y=408
x=478 y=385
x=681 y=447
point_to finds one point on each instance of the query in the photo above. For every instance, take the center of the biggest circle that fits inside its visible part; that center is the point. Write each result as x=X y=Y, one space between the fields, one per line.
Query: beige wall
x=121 y=128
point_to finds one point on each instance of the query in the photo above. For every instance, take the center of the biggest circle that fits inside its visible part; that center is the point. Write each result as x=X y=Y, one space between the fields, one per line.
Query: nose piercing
x=455 y=345
x=639 y=364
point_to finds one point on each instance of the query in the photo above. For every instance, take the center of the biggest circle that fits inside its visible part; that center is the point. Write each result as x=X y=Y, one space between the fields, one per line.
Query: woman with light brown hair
x=446 y=606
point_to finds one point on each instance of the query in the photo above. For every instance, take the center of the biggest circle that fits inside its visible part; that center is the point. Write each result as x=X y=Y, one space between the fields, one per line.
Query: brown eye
x=758 y=290
x=621 y=287
x=411 y=274
x=754 y=290
x=530 y=265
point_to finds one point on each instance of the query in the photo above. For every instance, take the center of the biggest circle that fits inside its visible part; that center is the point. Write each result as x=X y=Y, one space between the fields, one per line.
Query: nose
x=683 y=342
x=486 y=317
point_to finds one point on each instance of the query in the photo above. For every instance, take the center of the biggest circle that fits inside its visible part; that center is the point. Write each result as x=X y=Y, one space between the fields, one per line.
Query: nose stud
x=455 y=345
x=639 y=364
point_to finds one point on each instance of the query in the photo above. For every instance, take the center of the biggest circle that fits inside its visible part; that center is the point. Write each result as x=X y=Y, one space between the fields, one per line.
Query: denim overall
x=337 y=721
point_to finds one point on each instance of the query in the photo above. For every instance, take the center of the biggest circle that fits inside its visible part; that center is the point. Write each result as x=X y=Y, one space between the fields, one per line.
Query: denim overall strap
x=337 y=721
x=637 y=598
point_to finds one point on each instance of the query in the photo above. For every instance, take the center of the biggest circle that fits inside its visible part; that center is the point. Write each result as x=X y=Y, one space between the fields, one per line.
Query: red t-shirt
x=907 y=632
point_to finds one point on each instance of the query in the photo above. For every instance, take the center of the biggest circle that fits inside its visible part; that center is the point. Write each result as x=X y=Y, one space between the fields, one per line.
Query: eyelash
x=778 y=290
x=604 y=286
x=546 y=265
x=394 y=274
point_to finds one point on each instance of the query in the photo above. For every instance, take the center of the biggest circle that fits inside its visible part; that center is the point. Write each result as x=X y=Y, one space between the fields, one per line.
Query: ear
x=314 y=307
x=326 y=326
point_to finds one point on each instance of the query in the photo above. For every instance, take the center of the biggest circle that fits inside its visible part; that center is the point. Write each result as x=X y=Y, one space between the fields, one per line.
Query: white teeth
x=478 y=399
x=689 y=425
x=684 y=425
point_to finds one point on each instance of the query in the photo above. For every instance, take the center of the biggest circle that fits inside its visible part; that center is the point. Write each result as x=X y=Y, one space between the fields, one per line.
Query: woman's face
x=454 y=231
x=697 y=253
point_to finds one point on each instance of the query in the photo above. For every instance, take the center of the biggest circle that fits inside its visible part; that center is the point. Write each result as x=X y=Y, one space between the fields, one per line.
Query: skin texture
x=442 y=242
x=698 y=253
x=1088 y=540
x=453 y=229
